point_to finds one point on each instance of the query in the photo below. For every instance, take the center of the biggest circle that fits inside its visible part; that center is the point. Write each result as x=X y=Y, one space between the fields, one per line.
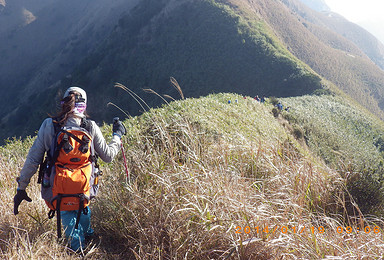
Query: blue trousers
x=74 y=236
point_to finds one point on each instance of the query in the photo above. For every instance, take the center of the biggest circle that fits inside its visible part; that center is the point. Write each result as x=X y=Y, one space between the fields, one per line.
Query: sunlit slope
x=318 y=42
x=348 y=139
x=211 y=179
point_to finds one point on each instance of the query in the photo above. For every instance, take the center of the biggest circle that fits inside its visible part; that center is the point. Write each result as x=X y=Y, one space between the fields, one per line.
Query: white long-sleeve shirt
x=44 y=140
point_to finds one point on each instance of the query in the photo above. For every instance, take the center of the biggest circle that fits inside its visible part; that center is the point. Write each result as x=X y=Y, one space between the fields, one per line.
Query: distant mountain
x=340 y=24
x=278 y=48
x=355 y=34
x=309 y=36
x=318 y=5
x=375 y=28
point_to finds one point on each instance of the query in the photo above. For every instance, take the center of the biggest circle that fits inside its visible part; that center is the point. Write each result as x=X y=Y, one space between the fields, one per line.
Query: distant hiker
x=257 y=98
x=236 y=101
x=69 y=173
x=262 y=99
x=279 y=106
x=287 y=109
x=229 y=101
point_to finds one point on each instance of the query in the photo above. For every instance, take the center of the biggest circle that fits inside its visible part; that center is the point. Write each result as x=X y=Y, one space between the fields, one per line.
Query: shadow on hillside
x=114 y=247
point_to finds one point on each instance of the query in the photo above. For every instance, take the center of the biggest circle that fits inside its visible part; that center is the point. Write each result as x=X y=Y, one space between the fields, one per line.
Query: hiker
x=76 y=223
x=279 y=106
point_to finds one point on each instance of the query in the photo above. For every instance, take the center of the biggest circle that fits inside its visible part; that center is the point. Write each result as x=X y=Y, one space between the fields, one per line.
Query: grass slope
x=204 y=174
x=325 y=52
x=204 y=44
x=348 y=139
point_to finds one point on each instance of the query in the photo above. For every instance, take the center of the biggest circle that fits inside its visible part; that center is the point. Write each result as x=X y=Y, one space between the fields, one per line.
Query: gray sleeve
x=36 y=154
x=105 y=151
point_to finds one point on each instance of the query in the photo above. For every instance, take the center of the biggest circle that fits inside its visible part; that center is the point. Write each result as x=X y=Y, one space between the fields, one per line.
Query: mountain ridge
x=312 y=51
x=317 y=5
x=363 y=39
x=244 y=48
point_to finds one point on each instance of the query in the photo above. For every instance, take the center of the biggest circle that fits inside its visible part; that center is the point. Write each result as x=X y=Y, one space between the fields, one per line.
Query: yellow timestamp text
x=305 y=229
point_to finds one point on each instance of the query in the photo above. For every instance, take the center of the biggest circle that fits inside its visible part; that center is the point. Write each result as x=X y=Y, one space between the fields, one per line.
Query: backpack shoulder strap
x=55 y=148
x=56 y=126
x=49 y=161
x=86 y=124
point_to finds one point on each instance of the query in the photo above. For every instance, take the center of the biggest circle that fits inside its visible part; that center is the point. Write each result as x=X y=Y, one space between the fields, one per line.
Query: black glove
x=19 y=197
x=118 y=127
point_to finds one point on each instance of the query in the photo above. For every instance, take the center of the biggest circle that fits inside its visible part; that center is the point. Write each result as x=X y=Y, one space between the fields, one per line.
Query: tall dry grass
x=193 y=184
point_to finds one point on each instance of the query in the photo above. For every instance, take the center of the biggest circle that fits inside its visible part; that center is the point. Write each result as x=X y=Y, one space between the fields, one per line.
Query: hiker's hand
x=19 y=197
x=118 y=128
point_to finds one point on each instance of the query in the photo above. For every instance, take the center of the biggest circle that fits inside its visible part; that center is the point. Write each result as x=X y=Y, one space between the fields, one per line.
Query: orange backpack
x=69 y=174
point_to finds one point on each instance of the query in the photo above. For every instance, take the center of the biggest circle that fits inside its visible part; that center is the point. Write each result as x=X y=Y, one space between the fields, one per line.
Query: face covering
x=79 y=109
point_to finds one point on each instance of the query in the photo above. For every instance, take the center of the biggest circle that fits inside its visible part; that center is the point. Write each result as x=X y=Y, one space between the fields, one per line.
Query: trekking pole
x=115 y=120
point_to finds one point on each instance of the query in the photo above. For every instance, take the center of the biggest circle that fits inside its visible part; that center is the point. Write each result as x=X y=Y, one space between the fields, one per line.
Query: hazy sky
x=367 y=13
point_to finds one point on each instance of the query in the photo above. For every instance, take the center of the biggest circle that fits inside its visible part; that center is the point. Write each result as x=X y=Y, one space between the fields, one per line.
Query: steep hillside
x=346 y=138
x=35 y=53
x=209 y=179
x=358 y=36
x=35 y=56
x=259 y=47
x=368 y=43
x=14 y=14
x=318 y=5
x=356 y=75
x=204 y=44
